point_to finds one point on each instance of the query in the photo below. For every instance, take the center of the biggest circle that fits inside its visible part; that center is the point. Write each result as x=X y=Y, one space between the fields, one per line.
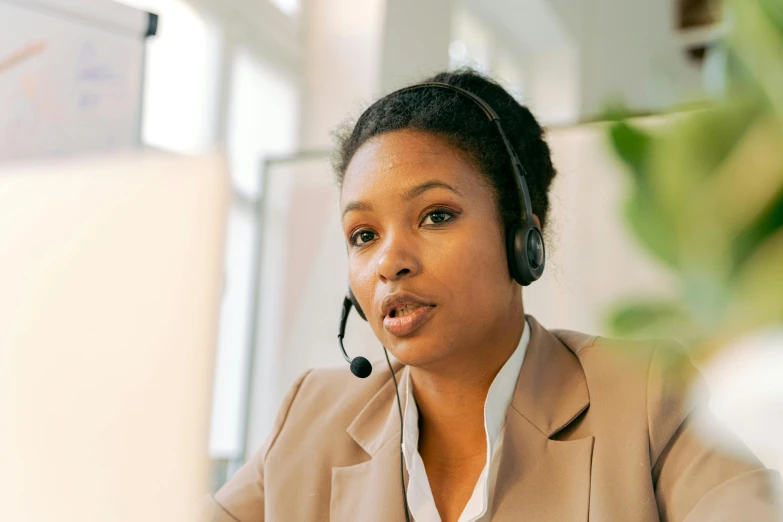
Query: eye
x=439 y=216
x=364 y=235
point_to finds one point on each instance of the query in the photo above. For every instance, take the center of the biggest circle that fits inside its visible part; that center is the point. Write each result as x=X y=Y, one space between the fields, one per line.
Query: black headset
x=524 y=247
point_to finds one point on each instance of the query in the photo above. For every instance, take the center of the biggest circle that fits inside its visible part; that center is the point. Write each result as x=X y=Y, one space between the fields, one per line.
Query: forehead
x=388 y=163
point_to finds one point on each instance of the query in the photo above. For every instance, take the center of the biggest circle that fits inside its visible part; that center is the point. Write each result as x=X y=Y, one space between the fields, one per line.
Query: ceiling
x=528 y=26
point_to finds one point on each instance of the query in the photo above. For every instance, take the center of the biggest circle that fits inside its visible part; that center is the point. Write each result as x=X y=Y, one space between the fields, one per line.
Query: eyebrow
x=410 y=194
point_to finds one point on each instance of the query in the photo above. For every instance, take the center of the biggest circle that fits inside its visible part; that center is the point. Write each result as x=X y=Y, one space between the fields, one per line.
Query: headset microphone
x=360 y=366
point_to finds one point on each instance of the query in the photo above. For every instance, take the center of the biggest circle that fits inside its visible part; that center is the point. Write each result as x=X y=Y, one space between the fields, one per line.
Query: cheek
x=361 y=277
x=365 y=285
x=474 y=267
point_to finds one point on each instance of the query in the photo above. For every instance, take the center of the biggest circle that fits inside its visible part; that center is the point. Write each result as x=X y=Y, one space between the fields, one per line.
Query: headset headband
x=516 y=166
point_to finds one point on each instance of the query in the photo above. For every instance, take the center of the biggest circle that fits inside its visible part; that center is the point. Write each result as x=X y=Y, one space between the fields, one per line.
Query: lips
x=400 y=300
x=407 y=324
x=404 y=312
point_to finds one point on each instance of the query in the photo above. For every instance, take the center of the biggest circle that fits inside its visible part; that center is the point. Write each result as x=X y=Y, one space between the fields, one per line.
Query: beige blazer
x=598 y=430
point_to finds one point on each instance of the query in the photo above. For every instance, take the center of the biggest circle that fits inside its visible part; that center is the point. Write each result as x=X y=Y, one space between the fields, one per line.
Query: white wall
x=553 y=85
x=416 y=39
x=628 y=51
x=593 y=259
x=579 y=55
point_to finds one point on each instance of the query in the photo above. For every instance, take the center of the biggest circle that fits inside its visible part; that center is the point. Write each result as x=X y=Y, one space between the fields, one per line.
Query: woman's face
x=418 y=217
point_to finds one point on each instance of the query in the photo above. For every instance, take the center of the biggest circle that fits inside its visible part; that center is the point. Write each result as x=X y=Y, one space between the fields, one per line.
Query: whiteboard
x=71 y=75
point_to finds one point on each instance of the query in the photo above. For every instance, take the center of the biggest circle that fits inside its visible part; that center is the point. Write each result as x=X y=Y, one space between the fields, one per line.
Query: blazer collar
x=379 y=421
x=369 y=490
x=550 y=393
x=552 y=389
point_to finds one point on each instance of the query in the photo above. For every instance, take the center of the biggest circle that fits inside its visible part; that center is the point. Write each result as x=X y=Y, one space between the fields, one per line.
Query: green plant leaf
x=652 y=229
x=633 y=147
x=649 y=319
x=773 y=9
x=768 y=224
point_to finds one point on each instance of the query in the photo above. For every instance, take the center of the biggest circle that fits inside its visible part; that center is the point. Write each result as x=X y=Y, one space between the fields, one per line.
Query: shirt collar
x=499 y=396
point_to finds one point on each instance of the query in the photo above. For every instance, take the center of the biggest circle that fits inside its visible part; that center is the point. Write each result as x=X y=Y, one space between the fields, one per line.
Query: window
x=262 y=116
x=182 y=67
x=289 y=7
x=262 y=119
x=230 y=364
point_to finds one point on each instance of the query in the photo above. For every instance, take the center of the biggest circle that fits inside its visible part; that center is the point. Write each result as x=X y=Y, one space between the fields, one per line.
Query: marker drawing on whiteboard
x=21 y=55
x=91 y=68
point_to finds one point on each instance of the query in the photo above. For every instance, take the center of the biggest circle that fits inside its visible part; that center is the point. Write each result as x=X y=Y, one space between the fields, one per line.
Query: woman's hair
x=462 y=123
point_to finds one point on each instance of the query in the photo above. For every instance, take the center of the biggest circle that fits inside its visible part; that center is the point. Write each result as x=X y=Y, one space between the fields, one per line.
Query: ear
x=538 y=221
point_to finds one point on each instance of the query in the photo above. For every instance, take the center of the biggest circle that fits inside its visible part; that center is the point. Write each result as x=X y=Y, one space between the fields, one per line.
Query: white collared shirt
x=420 y=499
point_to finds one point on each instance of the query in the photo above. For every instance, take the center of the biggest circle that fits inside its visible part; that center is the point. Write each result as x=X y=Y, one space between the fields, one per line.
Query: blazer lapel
x=540 y=478
x=371 y=490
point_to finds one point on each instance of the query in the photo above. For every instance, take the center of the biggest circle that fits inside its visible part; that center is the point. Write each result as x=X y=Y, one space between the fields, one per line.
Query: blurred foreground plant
x=707 y=197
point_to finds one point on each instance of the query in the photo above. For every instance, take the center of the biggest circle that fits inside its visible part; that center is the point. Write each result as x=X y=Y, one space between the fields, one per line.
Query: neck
x=450 y=396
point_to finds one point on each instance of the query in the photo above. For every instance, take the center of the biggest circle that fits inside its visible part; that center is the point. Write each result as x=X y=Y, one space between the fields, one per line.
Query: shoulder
x=326 y=401
x=647 y=383
x=324 y=390
x=657 y=365
x=308 y=433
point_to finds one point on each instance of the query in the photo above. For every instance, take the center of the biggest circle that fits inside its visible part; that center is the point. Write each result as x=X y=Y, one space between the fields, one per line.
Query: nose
x=398 y=260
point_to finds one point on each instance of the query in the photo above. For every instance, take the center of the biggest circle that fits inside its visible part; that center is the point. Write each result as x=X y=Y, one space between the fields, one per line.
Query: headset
x=525 y=251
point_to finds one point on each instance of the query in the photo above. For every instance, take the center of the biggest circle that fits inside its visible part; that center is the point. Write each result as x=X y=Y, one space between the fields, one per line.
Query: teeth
x=405 y=310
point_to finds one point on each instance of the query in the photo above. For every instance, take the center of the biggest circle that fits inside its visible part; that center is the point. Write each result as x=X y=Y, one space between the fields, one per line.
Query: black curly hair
x=462 y=123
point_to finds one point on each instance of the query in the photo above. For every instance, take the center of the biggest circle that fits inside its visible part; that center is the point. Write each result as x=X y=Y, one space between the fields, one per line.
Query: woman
x=503 y=419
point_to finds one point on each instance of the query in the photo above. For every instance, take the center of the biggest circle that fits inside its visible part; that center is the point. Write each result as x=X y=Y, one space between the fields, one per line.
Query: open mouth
x=403 y=311
x=407 y=319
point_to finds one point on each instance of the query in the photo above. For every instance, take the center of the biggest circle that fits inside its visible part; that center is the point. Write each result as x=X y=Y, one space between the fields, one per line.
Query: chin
x=416 y=350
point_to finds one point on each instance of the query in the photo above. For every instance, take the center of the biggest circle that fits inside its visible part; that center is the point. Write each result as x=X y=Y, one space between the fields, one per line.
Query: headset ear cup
x=356 y=304
x=513 y=254
x=526 y=256
x=536 y=254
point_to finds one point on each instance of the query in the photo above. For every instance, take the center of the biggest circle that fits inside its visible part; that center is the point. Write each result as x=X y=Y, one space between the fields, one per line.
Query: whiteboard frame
x=105 y=13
